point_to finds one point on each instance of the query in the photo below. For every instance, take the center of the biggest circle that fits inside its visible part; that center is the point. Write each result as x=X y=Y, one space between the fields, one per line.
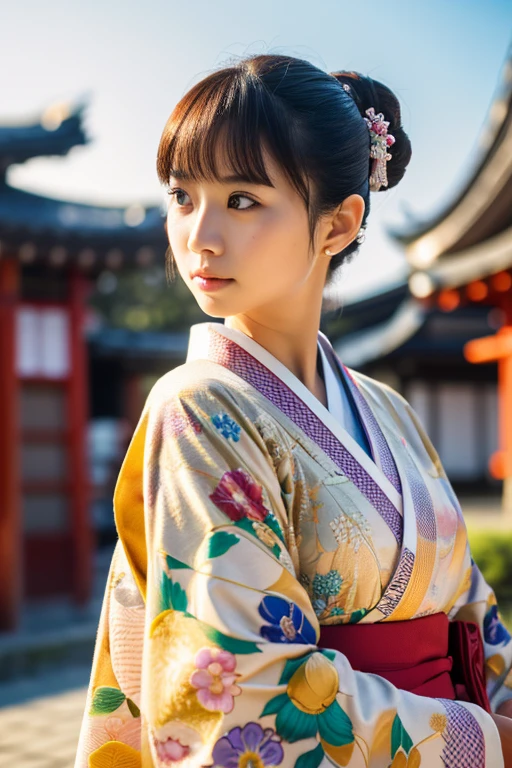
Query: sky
x=134 y=60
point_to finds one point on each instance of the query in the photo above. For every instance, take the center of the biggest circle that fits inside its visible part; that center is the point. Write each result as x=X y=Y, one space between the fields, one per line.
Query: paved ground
x=41 y=729
x=42 y=688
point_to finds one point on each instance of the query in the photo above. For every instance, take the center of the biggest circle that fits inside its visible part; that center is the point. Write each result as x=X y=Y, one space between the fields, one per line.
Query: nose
x=205 y=234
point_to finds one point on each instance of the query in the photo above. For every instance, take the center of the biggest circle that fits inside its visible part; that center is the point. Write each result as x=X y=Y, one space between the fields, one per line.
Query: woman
x=292 y=584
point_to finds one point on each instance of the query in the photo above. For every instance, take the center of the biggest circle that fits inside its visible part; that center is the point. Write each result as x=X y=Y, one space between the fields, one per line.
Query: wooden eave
x=483 y=207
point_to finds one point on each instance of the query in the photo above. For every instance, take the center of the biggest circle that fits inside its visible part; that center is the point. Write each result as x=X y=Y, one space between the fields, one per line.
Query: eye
x=180 y=196
x=239 y=202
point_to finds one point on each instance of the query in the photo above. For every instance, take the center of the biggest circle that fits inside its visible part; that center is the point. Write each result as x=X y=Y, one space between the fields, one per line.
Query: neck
x=293 y=340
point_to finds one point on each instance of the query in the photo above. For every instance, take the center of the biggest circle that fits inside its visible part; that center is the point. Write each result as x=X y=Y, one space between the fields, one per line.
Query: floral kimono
x=247 y=518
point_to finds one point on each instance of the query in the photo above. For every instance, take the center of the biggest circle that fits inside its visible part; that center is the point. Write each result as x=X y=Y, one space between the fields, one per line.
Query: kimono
x=248 y=517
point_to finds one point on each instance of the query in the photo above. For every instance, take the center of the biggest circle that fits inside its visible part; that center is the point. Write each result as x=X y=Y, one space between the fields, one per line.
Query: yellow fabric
x=129 y=506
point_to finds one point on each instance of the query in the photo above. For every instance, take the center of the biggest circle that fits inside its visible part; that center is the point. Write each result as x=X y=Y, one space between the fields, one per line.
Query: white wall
x=462 y=421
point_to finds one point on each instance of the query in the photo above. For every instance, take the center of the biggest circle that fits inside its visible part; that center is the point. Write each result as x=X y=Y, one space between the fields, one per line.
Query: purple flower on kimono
x=495 y=632
x=250 y=744
x=287 y=622
x=239 y=496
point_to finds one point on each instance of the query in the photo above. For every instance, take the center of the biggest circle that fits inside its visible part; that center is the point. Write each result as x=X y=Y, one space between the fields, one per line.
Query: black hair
x=311 y=125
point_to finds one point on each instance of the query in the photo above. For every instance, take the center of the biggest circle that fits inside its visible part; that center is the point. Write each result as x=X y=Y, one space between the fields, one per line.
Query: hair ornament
x=380 y=141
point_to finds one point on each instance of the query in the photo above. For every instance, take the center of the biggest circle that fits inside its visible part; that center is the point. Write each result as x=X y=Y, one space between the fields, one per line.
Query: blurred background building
x=51 y=251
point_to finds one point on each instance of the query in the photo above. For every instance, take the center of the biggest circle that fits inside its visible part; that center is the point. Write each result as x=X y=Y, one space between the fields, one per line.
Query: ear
x=343 y=225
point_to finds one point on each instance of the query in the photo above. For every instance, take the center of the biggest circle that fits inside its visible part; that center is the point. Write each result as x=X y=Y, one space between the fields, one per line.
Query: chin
x=212 y=308
x=217 y=315
x=216 y=307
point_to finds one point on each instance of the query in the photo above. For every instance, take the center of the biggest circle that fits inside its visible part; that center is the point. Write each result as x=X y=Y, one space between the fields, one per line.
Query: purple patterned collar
x=252 y=363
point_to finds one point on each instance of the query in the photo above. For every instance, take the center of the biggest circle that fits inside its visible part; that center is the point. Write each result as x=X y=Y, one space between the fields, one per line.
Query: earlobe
x=346 y=224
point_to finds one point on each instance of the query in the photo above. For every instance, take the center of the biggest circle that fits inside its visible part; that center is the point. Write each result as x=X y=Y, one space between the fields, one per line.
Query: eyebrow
x=233 y=178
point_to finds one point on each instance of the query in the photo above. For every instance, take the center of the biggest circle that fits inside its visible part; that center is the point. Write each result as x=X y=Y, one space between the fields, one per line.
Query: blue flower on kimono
x=227 y=426
x=287 y=622
x=250 y=745
x=495 y=633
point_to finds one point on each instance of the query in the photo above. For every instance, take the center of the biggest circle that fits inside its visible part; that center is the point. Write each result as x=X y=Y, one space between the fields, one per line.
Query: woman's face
x=243 y=248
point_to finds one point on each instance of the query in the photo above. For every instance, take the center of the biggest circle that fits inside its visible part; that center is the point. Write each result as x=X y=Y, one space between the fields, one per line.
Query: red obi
x=430 y=656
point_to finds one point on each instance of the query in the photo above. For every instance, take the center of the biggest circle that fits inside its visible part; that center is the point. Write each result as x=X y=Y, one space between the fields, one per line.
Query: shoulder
x=201 y=403
x=202 y=385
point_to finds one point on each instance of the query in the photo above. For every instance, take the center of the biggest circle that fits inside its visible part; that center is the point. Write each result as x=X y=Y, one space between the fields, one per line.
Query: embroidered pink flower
x=239 y=496
x=113 y=726
x=171 y=751
x=174 y=743
x=214 y=677
x=114 y=729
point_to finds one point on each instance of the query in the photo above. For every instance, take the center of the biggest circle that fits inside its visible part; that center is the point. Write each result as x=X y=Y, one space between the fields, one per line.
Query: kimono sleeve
x=232 y=674
x=478 y=604
x=111 y=723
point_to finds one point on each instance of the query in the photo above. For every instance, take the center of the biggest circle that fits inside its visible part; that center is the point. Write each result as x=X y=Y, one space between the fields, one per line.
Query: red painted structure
x=10 y=518
x=498 y=349
x=54 y=471
x=50 y=253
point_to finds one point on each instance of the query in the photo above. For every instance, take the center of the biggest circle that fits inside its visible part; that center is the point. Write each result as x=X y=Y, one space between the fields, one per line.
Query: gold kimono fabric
x=247 y=518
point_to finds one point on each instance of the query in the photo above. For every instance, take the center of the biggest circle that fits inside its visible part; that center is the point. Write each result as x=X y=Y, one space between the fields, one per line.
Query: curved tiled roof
x=468 y=216
x=55 y=132
x=37 y=227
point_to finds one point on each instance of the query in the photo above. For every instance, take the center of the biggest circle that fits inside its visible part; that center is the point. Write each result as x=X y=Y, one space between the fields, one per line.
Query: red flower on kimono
x=239 y=496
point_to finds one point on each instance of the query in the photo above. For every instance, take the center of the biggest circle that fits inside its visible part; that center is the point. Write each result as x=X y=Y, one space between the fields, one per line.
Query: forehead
x=221 y=151
x=224 y=171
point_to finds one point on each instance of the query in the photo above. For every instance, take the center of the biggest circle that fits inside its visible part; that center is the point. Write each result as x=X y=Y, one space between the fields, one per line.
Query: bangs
x=230 y=118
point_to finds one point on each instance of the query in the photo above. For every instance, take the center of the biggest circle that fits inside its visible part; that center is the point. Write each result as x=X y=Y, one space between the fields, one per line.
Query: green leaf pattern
x=399 y=737
x=220 y=543
x=106 y=700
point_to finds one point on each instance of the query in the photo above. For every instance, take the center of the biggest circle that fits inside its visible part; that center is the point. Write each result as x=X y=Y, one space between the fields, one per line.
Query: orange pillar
x=82 y=532
x=498 y=349
x=11 y=524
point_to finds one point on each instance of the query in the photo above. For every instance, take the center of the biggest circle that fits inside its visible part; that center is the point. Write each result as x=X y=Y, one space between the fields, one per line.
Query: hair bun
x=367 y=93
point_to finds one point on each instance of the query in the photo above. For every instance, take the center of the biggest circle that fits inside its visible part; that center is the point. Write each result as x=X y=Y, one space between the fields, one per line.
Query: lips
x=206 y=275
x=209 y=283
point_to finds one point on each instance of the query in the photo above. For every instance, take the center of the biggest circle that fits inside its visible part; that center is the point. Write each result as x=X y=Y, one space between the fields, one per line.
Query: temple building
x=50 y=253
x=445 y=339
x=462 y=261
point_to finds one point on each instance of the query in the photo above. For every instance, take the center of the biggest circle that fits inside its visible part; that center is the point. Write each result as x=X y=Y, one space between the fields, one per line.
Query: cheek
x=281 y=245
x=176 y=231
x=177 y=234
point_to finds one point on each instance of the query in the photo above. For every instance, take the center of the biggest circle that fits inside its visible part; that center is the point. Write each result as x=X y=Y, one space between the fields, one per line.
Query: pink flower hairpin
x=380 y=141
